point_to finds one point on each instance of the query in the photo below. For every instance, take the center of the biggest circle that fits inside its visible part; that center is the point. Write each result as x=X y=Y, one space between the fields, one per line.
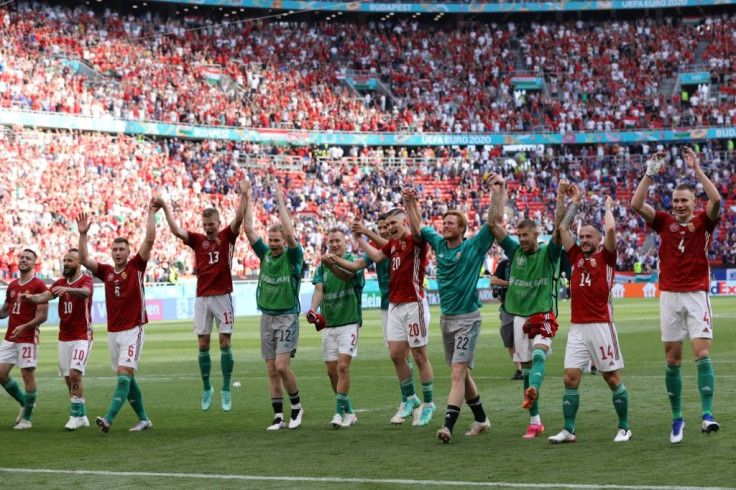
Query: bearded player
x=74 y=291
x=592 y=335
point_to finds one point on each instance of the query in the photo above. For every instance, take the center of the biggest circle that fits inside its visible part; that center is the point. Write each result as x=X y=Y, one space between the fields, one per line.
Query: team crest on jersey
x=206 y=244
x=593 y=263
x=403 y=245
x=691 y=227
x=442 y=256
x=110 y=277
x=674 y=227
x=124 y=275
x=12 y=294
x=581 y=262
x=457 y=255
x=393 y=249
x=218 y=241
x=521 y=260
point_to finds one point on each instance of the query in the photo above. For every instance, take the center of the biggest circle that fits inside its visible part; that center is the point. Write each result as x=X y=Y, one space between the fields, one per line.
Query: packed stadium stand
x=371 y=74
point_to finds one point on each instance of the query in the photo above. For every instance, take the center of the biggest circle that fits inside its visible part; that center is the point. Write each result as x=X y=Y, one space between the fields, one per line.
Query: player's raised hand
x=495 y=180
x=655 y=164
x=608 y=205
x=691 y=159
x=159 y=201
x=562 y=187
x=246 y=189
x=408 y=194
x=82 y=223
x=357 y=228
x=154 y=205
x=278 y=192
x=575 y=193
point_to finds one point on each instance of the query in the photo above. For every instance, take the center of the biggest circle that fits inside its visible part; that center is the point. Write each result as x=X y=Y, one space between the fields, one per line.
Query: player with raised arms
x=408 y=312
x=277 y=298
x=383 y=274
x=125 y=302
x=213 y=258
x=459 y=261
x=684 y=283
x=592 y=335
x=530 y=298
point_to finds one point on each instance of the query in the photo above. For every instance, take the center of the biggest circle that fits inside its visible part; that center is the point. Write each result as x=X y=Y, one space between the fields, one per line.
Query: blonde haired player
x=684 y=282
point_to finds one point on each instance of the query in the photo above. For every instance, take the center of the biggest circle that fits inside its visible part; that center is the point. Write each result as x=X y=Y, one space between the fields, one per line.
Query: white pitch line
x=203 y=476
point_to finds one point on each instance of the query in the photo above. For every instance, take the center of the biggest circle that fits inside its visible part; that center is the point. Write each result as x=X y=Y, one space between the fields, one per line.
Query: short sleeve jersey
x=125 y=296
x=458 y=269
x=75 y=313
x=590 y=285
x=408 y=261
x=213 y=260
x=683 y=252
x=341 y=300
x=22 y=312
x=279 y=279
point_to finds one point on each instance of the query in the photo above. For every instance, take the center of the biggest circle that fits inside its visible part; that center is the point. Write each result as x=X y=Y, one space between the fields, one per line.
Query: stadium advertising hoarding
x=332 y=138
x=176 y=301
x=455 y=7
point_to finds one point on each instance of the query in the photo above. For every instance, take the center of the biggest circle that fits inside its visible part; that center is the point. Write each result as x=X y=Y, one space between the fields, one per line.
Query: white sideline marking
x=387 y=481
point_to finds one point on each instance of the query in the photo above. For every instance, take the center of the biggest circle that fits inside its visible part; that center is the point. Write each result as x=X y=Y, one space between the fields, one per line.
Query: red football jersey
x=22 y=312
x=213 y=261
x=683 y=252
x=75 y=313
x=125 y=296
x=590 y=285
x=408 y=261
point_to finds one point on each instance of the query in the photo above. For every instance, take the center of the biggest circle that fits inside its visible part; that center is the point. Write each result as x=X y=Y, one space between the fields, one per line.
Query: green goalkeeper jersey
x=279 y=279
x=341 y=300
x=532 y=278
x=383 y=274
x=458 y=269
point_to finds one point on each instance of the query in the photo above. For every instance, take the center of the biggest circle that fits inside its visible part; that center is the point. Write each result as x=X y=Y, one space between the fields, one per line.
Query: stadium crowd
x=275 y=73
x=48 y=177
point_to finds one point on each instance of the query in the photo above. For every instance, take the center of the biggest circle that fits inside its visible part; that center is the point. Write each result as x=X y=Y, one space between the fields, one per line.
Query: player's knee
x=572 y=379
x=459 y=373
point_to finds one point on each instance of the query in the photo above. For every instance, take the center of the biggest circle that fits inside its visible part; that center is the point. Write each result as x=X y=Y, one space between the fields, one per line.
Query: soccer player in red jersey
x=74 y=291
x=592 y=335
x=408 y=311
x=213 y=258
x=20 y=346
x=684 y=282
x=126 y=314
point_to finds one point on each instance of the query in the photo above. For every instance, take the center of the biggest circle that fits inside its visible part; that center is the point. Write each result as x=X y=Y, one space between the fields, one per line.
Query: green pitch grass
x=186 y=440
